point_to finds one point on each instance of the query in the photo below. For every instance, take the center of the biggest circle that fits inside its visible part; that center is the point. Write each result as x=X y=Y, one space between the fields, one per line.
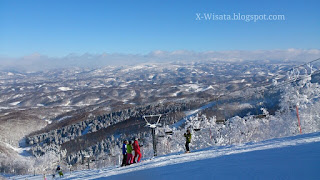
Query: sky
x=60 y=28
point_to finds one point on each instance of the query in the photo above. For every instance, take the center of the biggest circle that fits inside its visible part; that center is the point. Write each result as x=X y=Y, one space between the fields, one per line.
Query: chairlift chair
x=220 y=121
x=260 y=116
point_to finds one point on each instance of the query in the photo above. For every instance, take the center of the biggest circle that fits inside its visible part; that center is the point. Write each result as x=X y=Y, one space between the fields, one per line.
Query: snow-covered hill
x=223 y=104
x=294 y=157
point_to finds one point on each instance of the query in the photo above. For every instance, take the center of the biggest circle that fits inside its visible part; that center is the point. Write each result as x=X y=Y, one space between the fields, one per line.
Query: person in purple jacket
x=124 y=153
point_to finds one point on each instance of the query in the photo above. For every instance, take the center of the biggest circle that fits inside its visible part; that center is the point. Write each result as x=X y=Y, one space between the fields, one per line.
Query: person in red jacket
x=136 y=149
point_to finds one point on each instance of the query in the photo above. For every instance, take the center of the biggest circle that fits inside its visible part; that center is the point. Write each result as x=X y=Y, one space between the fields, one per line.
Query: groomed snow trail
x=284 y=158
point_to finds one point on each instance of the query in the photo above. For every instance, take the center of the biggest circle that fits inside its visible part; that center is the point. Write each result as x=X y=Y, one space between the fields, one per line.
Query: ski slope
x=296 y=157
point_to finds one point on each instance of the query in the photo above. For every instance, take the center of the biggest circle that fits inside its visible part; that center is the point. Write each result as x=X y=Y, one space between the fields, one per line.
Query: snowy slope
x=296 y=157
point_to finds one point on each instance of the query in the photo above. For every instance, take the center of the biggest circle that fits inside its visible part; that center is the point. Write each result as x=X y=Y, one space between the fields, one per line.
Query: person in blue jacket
x=124 y=153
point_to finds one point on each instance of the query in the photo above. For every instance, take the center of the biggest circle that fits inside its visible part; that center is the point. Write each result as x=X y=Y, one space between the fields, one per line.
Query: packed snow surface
x=294 y=157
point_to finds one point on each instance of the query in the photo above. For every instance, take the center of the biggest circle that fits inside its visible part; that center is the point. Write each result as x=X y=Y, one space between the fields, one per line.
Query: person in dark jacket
x=137 y=151
x=188 y=140
x=59 y=170
x=124 y=153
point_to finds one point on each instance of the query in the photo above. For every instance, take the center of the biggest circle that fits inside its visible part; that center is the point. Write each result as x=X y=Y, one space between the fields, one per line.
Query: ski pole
x=298 y=118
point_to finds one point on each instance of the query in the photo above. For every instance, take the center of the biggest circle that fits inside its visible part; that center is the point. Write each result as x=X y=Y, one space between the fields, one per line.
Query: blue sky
x=58 y=28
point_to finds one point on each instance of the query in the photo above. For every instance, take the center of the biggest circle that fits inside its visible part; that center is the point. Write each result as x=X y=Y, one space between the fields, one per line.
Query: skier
x=129 y=152
x=188 y=140
x=124 y=153
x=59 y=170
x=137 y=152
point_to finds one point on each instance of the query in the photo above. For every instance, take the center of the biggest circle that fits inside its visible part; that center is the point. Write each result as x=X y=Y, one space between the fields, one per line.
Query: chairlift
x=153 y=130
x=197 y=129
x=220 y=118
x=220 y=121
x=260 y=116
x=169 y=132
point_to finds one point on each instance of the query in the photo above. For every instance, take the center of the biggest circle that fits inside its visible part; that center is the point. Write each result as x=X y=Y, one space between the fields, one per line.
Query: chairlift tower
x=153 y=129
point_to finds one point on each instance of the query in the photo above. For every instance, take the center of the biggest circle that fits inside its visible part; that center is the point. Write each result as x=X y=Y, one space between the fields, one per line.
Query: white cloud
x=37 y=62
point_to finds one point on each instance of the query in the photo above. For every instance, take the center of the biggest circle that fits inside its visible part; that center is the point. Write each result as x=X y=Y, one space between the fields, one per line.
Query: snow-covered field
x=296 y=157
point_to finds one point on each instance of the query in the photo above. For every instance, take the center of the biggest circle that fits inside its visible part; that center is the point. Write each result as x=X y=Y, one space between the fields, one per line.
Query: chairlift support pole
x=153 y=130
x=88 y=161
x=298 y=119
x=154 y=140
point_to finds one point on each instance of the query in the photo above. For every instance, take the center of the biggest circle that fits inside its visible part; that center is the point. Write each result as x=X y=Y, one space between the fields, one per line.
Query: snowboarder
x=129 y=152
x=59 y=170
x=188 y=140
x=124 y=153
x=137 y=152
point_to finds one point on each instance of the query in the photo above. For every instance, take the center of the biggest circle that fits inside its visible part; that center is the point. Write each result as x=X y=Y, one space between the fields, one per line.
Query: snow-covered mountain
x=60 y=117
